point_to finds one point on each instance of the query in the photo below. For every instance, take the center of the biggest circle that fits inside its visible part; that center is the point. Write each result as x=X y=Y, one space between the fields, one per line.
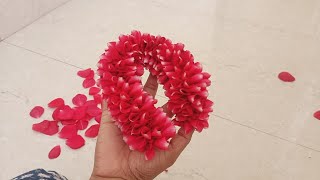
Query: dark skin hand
x=114 y=159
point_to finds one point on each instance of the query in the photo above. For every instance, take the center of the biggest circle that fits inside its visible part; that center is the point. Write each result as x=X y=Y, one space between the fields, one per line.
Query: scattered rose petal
x=79 y=112
x=98 y=118
x=36 y=112
x=87 y=73
x=54 y=152
x=69 y=122
x=92 y=131
x=82 y=124
x=317 y=115
x=286 y=77
x=94 y=90
x=75 y=142
x=97 y=98
x=65 y=113
x=88 y=83
x=58 y=102
x=46 y=127
x=79 y=99
x=93 y=110
x=91 y=103
x=68 y=131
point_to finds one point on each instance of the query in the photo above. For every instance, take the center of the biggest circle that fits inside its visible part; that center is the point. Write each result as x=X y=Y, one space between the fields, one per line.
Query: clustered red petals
x=144 y=126
x=71 y=119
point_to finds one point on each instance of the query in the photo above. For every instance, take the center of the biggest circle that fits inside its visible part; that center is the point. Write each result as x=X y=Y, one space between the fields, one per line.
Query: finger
x=151 y=85
x=165 y=109
x=108 y=130
x=178 y=143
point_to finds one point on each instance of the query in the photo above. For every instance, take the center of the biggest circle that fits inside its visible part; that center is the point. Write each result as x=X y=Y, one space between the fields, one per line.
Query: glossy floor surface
x=261 y=128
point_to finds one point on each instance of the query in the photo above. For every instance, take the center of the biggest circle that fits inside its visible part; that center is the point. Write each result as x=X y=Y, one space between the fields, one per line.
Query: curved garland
x=144 y=126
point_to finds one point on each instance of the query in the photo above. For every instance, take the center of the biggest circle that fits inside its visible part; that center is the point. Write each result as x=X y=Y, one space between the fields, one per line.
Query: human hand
x=114 y=159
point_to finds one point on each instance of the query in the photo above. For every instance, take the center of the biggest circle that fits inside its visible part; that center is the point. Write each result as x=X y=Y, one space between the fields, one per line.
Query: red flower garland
x=144 y=126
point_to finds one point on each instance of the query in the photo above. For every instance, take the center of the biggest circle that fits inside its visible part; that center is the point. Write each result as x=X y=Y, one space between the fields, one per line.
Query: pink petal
x=65 y=113
x=88 y=83
x=68 y=131
x=79 y=99
x=87 y=73
x=93 y=131
x=46 y=127
x=286 y=77
x=36 y=112
x=91 y=103
x=79 y=112
x=75 y=142
x=98 y=118
x=54 y=152
x=93 y=111
x=69 y=122
x=58 y=102
x=97 y=98
x=82 y=124
x=94 y=90
x=317 y=115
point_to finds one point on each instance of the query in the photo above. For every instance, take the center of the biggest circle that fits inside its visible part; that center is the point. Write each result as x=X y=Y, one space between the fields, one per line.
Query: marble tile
x=292 y=17
x=28 y=79
x=229 y=151
x=78 y=32
x=15 y=14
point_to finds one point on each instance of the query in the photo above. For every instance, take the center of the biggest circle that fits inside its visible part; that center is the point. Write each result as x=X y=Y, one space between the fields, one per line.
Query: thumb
x=178 y=143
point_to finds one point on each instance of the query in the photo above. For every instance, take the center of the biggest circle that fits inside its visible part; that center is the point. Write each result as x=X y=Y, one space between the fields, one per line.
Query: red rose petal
x=286 y=77
x=40 y=127
x=46 y=127
x=68 y=131
x=54 y=152
x=36 y=112
x=91 y=103
x=58 y=102
x=87 y=73
x=88 y=83
x=79 y=99
x=79 y=112
x=97 y=98
x=98 y=118
x=69 y=122
x=317 y=115
x=93 y=111
x=93 y=131
x=82 y=124
x=94 y=90
x=65 y=113
x=75 y=142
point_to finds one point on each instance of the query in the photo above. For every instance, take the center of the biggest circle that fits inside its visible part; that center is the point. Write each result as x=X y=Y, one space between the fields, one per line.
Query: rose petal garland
x=144 y=126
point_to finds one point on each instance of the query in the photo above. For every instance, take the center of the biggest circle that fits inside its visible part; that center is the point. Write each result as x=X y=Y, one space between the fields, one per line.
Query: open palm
x=114 y=159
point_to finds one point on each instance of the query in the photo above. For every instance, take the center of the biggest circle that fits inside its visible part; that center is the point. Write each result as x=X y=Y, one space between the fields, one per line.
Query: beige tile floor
x=261 y=128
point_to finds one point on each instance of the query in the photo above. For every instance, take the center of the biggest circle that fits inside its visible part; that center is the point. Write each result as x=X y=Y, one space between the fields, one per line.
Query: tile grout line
x=46 y=56
x=269 y=134
x=23 y=27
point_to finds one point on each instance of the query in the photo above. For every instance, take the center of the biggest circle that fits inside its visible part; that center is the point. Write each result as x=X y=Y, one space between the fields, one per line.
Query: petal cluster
x=144 y=126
